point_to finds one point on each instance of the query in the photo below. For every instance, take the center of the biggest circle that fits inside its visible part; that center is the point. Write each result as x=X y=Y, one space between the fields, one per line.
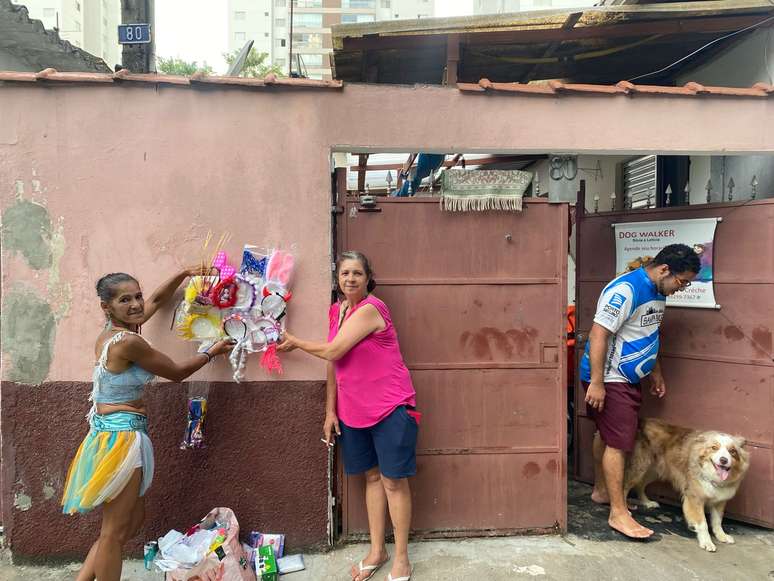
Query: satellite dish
x=237 y=66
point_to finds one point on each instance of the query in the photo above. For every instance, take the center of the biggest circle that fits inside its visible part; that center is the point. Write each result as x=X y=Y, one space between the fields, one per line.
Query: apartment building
x=267 y=23
x=503 y=6
x=88 y=24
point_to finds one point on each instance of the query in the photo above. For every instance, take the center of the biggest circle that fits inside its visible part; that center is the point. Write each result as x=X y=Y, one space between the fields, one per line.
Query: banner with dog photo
x=636 y=243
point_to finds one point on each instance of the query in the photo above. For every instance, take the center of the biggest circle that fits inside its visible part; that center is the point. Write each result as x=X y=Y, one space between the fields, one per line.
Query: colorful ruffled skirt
x=116 y=445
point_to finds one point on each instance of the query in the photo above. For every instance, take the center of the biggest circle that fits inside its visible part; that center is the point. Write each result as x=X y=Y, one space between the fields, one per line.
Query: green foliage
x=175 y=66
x=255 y=65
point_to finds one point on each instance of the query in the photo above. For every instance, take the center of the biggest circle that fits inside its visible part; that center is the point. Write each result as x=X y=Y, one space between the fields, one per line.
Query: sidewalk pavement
x=589 y=552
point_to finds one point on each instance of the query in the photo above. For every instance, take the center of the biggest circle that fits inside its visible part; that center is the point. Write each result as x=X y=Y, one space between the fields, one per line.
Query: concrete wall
x=95 y=178
x=744 y=64
x=748 y=62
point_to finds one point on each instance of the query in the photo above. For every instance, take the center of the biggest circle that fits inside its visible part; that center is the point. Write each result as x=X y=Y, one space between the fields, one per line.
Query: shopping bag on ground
x=224 y=559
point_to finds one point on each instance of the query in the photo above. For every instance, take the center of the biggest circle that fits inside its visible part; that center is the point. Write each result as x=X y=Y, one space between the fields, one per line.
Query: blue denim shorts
x=391 y=445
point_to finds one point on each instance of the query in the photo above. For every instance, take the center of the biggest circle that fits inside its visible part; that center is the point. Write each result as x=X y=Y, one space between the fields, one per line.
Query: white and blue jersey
x=632 y=309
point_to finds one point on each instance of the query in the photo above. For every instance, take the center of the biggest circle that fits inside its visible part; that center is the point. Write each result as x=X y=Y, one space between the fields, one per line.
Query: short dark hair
x=107 y=284
x=363 y=259
x=679 y=258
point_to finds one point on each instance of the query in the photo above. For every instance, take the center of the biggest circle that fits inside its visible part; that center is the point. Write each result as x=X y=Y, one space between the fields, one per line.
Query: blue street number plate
x=134 y=33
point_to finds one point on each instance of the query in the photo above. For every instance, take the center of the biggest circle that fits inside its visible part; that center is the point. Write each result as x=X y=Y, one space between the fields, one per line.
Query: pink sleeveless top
x=372 y=379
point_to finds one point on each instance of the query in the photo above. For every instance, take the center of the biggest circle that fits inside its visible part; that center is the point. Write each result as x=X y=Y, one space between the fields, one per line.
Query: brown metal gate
x=479 y=303
x=717 y=364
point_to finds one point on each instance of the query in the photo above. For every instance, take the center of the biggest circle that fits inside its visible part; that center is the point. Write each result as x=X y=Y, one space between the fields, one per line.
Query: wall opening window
x=303 y=40
x=280 y=42
x=358 y=3
x=312 y=60
x=240 y=36
x=280 y=22
x=308 y=20
x=352 y=18
x=240 y=15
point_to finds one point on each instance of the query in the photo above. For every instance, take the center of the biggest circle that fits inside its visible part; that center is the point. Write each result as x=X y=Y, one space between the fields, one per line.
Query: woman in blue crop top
x=113 y=466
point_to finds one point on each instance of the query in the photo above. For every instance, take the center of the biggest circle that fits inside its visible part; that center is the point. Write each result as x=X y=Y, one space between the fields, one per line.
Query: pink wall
x=129 y=176
x=136 y=175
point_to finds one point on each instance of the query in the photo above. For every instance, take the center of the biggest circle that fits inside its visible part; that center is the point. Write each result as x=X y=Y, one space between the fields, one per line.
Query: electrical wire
x=666 y=68
x=573 y=57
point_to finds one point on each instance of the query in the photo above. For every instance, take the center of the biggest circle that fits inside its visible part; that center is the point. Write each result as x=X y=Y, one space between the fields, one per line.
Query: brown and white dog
x=706 y=468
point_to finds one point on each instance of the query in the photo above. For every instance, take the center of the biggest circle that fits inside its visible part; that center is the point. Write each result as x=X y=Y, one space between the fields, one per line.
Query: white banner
x=636 y=243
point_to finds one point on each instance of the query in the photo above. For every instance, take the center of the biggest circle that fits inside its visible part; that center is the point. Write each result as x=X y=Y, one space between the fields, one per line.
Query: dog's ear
x=740 y=442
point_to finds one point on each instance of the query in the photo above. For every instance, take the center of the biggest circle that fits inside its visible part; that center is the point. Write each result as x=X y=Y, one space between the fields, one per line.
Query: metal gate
x=479 y=302
x=717 y=364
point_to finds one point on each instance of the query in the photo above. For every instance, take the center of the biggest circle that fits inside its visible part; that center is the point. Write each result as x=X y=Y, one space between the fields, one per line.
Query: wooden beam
x=362 y=163
x=569 y=24
x=403 y=169
x=700 y=25
x=451 y=162
x=455 y=160
x=452 y=59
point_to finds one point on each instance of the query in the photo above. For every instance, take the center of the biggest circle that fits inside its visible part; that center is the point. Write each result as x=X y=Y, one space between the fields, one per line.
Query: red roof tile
x=271 y=80
x=622 y=88
x=483 y=86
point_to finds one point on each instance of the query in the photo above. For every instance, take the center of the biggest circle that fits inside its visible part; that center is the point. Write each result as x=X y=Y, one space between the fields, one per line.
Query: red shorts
x=617 y=422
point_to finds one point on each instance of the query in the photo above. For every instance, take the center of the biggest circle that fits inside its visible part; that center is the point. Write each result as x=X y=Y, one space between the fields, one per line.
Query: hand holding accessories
x=249 y=307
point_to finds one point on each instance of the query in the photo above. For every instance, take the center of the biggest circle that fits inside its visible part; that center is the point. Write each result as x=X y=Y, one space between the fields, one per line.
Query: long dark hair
x=362 y=259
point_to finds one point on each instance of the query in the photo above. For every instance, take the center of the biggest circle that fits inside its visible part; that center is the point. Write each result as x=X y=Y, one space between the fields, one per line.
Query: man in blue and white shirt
x=623 y=349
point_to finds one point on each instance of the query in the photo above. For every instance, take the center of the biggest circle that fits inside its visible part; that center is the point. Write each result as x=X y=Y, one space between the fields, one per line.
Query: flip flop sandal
x=371 y=569
x=391 y=578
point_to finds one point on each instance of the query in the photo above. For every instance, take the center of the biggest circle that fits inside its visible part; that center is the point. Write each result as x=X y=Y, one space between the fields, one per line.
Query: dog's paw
x=707 y=545
x=724 y=538
x=649 y=504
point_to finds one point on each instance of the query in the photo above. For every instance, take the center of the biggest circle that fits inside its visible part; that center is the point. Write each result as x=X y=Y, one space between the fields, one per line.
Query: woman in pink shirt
x=370 y=407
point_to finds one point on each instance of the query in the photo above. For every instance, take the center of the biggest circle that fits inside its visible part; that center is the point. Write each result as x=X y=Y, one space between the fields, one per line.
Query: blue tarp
x=426 y=163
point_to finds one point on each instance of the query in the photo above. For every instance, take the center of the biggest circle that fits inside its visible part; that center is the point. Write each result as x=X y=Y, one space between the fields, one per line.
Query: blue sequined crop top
x=121 y=387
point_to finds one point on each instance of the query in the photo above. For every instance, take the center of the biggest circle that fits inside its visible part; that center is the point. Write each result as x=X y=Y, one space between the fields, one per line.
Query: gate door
x=479 y=301
x=717 y=364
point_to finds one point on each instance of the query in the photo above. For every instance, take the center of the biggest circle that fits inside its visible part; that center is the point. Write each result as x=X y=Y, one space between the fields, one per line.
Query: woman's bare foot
x=626 y=525
x=400 y=568
x=374 y=558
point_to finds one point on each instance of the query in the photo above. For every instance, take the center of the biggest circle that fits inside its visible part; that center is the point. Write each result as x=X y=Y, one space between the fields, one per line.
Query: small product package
x=275 y=541
x=266 y=564
x=290 y=564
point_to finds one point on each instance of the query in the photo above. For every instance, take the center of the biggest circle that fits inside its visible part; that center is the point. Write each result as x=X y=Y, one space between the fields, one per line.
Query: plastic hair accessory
x=247 y=291
x=224 y=295
x=224 y=268
x=250 y=306
x=252 y=263
x=201 y=326
x=280 y=268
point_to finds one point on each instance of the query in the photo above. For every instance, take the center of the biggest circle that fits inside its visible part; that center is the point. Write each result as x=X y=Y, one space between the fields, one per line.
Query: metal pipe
x=290 y=41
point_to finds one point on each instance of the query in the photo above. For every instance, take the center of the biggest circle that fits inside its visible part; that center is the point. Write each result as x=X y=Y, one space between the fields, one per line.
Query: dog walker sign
x=636 y=243
x=134 y=34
